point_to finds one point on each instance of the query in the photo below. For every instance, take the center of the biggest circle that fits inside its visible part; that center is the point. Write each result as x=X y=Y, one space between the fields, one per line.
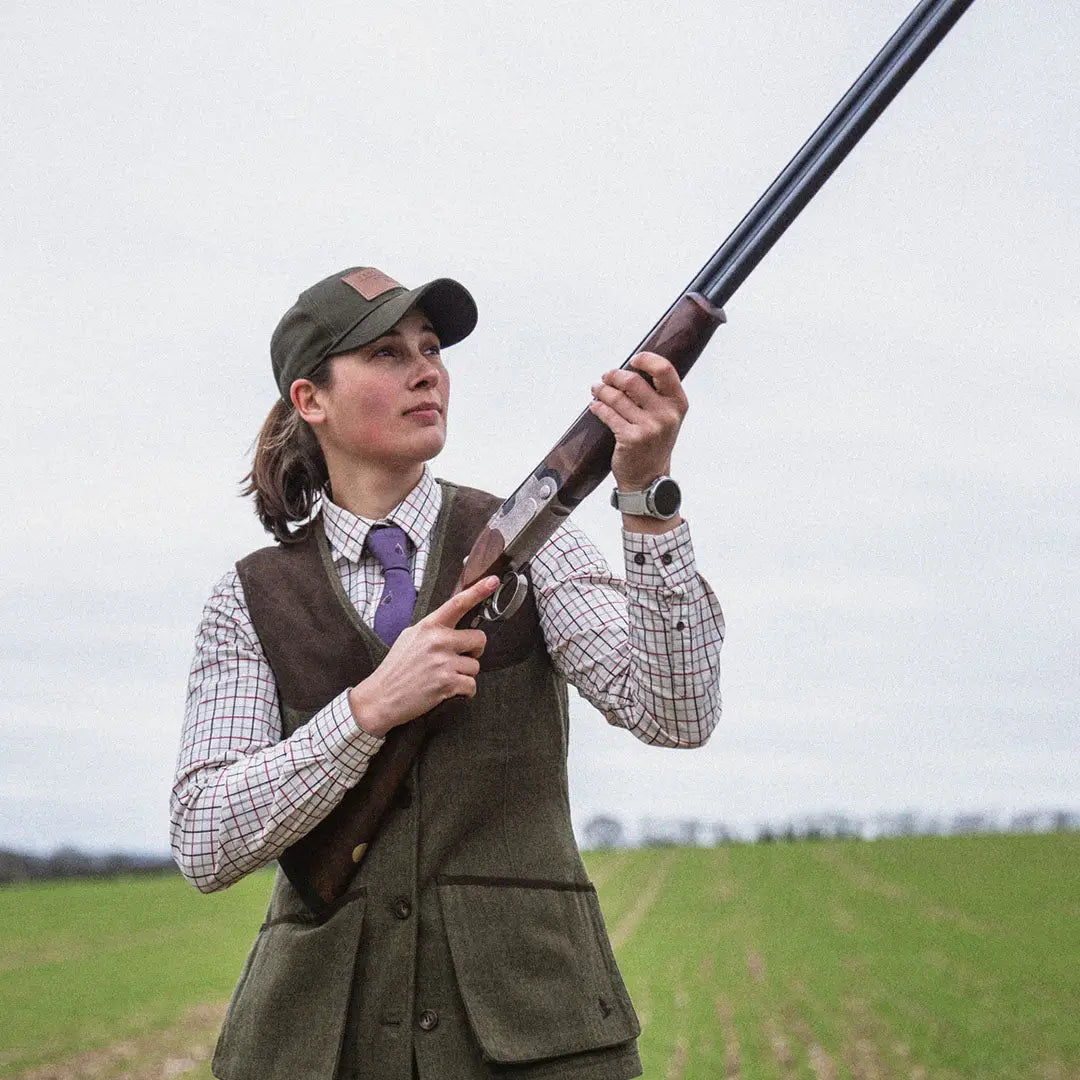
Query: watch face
x=666 y=497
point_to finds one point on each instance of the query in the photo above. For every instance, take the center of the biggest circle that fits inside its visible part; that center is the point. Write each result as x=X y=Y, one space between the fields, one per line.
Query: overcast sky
x=880 y=464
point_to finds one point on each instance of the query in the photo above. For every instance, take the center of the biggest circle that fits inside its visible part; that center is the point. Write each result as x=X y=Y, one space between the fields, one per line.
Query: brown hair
x=288 y=472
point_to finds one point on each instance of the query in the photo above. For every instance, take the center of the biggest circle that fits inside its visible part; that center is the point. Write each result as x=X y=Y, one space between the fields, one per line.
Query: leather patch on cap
x=369 y=282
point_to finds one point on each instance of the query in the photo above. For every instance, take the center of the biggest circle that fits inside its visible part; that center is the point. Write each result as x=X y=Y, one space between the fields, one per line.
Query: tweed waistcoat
x=470 y=936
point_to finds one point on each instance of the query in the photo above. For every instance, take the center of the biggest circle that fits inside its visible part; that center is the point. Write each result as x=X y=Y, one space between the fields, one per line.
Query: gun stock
x=321 y=865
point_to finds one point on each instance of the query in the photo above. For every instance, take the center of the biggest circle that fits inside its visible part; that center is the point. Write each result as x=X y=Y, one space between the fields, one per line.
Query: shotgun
x=321 y=865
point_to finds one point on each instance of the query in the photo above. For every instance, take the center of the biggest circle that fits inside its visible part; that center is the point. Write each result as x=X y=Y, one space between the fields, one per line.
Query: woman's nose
x=426 y=372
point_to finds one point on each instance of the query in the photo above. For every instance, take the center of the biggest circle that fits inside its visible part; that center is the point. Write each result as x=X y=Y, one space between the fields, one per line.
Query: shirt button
x=666 y=558
x=680 y=626
x=429 y=1020
x=639 y=558
x=402 y=907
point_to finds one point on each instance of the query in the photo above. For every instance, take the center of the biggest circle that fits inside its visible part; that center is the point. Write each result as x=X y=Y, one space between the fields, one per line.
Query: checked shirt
x=644 y=651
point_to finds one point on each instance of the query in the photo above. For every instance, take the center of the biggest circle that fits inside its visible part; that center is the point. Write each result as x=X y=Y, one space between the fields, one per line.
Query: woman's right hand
x=430 y=662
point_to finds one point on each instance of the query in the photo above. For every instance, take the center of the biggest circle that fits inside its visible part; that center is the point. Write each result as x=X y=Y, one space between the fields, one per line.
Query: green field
x=923 y=957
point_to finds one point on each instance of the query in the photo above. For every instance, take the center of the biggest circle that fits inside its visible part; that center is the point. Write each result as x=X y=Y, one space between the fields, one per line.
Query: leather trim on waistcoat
x=314 y=639
x=514 y=883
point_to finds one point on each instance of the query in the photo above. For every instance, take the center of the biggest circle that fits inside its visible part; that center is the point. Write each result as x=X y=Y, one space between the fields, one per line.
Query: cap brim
x=448 y=304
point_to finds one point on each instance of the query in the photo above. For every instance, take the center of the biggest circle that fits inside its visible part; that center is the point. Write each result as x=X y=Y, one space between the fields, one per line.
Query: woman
x=470 y=943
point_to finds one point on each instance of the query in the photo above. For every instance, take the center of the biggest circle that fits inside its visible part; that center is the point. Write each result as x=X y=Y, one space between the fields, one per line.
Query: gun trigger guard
x=507 y=598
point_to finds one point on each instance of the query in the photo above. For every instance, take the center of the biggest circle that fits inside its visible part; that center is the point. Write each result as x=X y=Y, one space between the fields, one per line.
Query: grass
x=937 y=957
x=925 y=957
x=84 y=965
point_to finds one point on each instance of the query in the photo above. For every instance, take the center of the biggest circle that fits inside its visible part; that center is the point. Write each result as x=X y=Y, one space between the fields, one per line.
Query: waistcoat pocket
x=534 y=968
x=286 y=1018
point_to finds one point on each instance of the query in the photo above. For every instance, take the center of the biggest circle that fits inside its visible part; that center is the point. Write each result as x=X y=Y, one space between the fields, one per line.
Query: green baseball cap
x=354 y=307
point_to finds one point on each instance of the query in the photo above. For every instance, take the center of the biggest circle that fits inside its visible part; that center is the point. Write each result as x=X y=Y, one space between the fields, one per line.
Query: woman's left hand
x=645 y=419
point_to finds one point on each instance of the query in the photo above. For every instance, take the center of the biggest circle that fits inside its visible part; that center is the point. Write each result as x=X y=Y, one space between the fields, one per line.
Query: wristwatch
x=661 y=499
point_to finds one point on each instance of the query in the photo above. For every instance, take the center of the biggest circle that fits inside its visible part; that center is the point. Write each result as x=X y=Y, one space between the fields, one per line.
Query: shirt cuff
x=345 y=742
x=661 y=560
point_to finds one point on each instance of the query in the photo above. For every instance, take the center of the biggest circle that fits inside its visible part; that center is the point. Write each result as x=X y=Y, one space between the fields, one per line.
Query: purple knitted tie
x=391 y=547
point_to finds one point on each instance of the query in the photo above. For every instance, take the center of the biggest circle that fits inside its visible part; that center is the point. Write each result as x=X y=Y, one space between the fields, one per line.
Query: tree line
x=606 y=831
x=69 y=862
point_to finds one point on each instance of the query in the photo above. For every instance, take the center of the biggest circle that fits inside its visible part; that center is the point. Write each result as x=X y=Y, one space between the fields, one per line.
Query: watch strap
x=643 y=503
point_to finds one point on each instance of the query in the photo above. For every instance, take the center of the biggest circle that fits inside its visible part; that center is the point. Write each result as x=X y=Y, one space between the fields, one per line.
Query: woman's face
x=386 y=403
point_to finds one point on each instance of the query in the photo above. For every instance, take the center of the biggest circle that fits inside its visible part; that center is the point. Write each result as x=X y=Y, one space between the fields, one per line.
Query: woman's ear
x=305 y=397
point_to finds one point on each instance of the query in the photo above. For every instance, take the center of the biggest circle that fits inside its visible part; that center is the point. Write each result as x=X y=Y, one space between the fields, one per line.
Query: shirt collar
x=415 y=515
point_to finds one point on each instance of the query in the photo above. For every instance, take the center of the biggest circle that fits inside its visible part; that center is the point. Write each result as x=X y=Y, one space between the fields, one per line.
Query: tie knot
x=390 y=546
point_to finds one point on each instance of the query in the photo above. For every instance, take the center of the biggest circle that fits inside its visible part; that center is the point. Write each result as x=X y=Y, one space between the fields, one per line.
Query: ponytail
x=289 y=471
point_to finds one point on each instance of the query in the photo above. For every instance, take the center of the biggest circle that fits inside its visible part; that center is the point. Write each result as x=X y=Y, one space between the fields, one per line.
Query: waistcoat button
x=429 y=1020
x=402 y=907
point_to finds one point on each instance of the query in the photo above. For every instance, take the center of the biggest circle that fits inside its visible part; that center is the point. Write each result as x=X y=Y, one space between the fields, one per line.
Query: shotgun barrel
x=822 y=153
